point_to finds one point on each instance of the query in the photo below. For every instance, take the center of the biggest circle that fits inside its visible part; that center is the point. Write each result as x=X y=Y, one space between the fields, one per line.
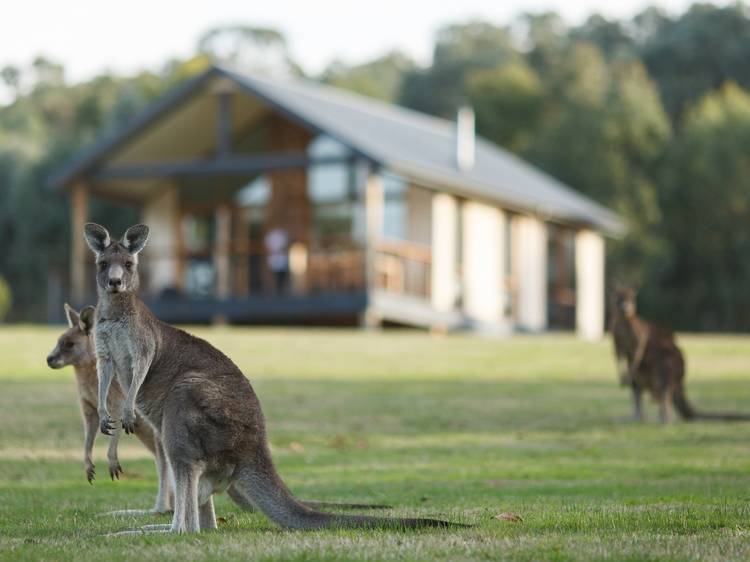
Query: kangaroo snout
x=53 y=361
x=115 y=282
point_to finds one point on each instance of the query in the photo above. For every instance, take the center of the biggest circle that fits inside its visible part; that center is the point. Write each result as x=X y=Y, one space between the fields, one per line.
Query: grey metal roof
x=410 y=143
x=423 y=147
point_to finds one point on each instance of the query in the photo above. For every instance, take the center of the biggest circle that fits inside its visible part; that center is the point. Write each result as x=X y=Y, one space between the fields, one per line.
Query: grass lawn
x=456 y=427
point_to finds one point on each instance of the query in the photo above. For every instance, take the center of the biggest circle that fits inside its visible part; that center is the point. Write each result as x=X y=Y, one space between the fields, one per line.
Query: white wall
x=483 y=248
x=445 y=282
x=529 y=236
x=161 y=215
x=419 y=221
x=589 y=285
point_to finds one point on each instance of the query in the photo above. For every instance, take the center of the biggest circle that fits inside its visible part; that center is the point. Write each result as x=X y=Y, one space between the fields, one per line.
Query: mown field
x=461 y=428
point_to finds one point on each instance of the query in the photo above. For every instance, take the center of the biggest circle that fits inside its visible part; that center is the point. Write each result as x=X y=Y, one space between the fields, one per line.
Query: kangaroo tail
x=682 y=405
x=259 y=484
x=730 y=416
x=689 y=413
x=240 y=500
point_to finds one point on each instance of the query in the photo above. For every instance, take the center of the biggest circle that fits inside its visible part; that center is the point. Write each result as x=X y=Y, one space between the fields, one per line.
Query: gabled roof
x=408 y=142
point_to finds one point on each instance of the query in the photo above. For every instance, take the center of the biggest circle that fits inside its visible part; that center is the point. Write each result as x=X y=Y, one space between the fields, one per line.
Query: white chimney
x=465 y=138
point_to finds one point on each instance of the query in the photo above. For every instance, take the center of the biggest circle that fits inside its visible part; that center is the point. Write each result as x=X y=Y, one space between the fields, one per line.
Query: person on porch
x=277 y=256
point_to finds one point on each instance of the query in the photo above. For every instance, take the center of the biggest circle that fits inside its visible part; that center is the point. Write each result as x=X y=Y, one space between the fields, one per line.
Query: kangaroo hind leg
x=186 y=480
x=206 y=515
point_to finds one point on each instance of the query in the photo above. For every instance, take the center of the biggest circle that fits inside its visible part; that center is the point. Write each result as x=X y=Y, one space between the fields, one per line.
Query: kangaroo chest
x=114 y=342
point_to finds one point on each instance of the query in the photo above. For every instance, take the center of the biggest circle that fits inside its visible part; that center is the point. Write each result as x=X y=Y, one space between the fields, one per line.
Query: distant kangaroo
x=75 y=347
x=648 y=359
x=199 y=402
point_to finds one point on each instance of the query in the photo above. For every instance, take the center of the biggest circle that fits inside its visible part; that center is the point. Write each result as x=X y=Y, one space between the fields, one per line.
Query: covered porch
x=215 y=172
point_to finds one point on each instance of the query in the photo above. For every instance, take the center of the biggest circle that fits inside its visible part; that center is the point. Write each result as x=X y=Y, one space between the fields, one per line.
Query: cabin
x=280 y=200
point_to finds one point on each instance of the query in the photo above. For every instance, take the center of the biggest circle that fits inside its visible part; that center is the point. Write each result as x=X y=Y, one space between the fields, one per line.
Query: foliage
x=6 y=298
x=381 y=78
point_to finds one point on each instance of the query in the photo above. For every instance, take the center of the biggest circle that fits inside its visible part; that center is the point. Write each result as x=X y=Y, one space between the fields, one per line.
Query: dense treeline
x=648 y=115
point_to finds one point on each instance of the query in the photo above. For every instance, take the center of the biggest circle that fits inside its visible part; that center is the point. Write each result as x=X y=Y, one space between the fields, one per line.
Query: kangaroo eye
x=128 y=265
x=102 y=265
x=68 y=344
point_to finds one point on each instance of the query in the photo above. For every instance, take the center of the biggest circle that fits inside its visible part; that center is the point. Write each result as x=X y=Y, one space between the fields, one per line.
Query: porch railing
x=400 y=267
x=404 y=267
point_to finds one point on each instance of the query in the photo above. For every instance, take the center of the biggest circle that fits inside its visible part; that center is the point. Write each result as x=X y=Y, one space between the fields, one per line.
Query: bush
x=6 y=299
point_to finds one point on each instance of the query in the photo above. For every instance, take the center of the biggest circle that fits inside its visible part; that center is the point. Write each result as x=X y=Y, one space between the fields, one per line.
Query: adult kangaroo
x=198 y=401
x=648 y=359
x=75 y=347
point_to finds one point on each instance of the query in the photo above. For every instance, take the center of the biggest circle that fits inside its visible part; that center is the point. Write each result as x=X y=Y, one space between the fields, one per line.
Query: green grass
x=455 y=427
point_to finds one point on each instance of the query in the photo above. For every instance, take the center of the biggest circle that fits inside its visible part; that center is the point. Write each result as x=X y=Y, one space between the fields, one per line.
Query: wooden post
x=161 y=213
x=79 y=206
x=222 y=250
x=242 y=252
x=373 y=200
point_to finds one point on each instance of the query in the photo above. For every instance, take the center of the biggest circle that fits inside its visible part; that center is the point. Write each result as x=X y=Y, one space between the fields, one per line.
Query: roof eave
x=607 y=222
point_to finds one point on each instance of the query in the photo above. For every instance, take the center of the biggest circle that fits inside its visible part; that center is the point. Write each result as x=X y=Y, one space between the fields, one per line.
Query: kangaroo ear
x=71 y=315
x=135 y=238
x=86 y=319
x=97 y=237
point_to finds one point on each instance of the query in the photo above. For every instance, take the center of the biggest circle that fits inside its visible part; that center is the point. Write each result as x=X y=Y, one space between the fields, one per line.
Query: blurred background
x=263 y=187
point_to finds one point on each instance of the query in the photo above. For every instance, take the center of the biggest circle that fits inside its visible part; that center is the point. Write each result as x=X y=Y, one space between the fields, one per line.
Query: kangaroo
x=197 y=400
x=75 y=347
x=649 y=359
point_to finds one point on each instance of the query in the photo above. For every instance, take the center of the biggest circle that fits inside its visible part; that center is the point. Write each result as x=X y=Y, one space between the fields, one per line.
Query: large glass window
x=331 y=189
x=198 y=236
x=394 y=209
x=254 y=199
x=561 y=277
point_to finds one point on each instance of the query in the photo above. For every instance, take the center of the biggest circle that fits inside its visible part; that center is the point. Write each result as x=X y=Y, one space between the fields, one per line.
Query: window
x=394 y=207
x=198 y=236
x=332 y=194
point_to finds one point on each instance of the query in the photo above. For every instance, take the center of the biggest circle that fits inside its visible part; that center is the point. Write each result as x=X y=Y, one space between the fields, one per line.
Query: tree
x=381 y=78
x=707 y=192
x=255 y=49
x=459 y=50
x=11 y=77
x=697 y=52
x=509 y=103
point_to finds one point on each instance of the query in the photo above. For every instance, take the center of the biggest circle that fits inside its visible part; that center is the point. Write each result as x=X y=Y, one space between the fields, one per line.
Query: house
x=378 y=214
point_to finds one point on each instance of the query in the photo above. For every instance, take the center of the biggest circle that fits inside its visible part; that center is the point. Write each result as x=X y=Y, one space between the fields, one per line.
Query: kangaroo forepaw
x=128 y=422
x=115 y=470
x=107 y=425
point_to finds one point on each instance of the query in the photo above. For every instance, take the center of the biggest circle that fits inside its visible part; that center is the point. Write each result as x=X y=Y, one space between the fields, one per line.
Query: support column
x=222 y=250
x=444 y=252
x=589 y=257
x=530 y=251
x=242 y=249
x=79 y=207
x=483 y=259
x=374 y=201
x=161 y=214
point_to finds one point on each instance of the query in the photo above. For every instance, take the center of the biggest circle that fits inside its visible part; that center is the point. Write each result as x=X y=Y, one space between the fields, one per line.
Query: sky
x=89 y=37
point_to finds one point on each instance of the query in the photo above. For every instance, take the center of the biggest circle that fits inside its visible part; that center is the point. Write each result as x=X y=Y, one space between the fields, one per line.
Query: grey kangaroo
x=75 y=347
x=198 y=401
